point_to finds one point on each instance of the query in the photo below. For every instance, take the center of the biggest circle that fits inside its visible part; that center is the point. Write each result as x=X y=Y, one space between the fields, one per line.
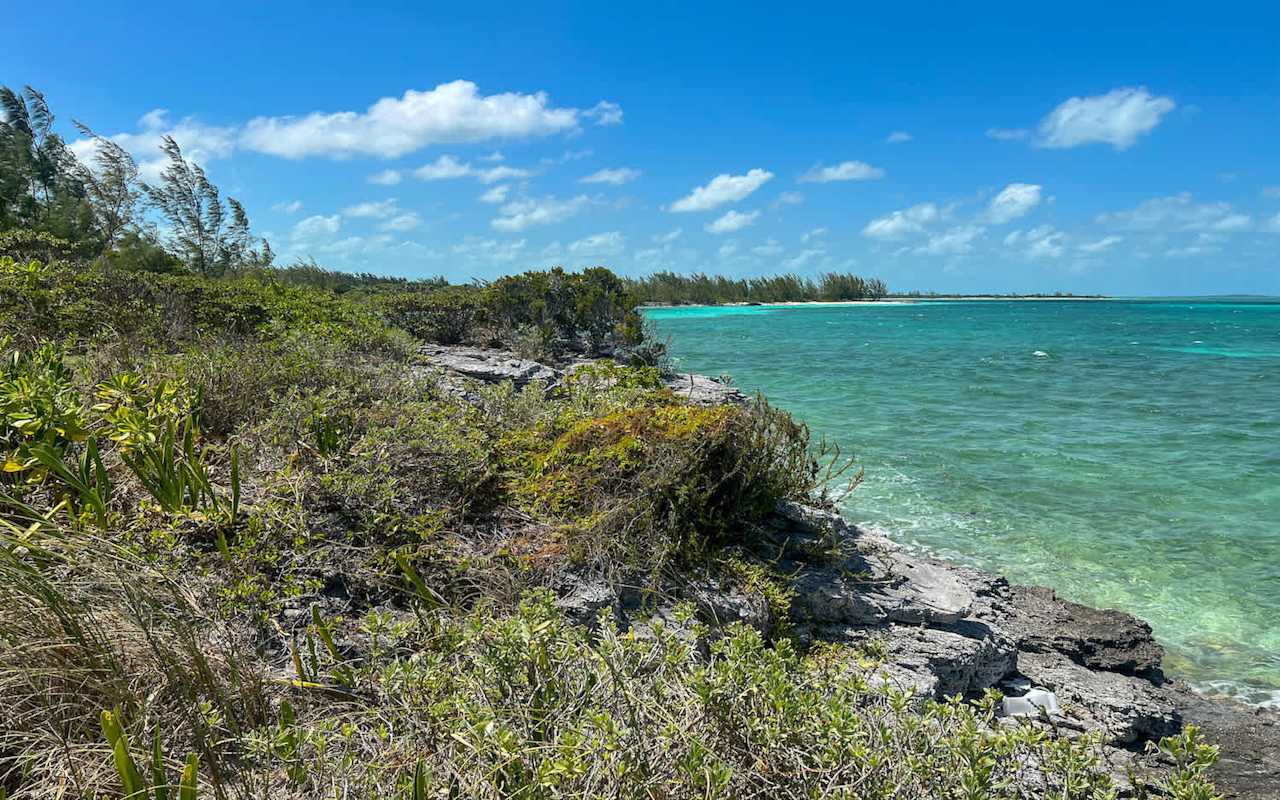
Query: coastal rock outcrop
x=942 y=629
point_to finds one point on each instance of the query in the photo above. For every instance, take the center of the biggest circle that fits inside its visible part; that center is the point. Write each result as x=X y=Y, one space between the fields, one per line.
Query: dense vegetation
x=668 y=288
x=252 y=546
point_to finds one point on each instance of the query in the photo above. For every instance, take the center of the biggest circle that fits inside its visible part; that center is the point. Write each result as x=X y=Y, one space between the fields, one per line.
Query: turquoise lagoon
x=1124 y=452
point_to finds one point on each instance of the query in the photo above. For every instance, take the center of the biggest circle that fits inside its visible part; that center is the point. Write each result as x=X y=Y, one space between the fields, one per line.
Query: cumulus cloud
x=616 y=177
x=953 y=241
x=529 y=212
x=844 y=171
x=604 y=113
x=377 y=209
x=1014 y=201
x=1116 y=118
x=496 y=195
x=727 y=250
x=485 y=251
x=721 y=190
x=771 y=247
x=898 y=137
x=1100 y=246
x=446 y=167
x=401 y=222
x=451 y=113
x=1179 y=213
x=388 y=177
x=900 y=224
x=1042 y=242
x=315 y=228
x=600 y=244
x=802 y=258
x=200 y=143
x=733 y=221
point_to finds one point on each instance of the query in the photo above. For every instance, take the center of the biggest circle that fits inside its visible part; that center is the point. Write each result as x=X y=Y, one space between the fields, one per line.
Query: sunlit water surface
x=1126 y=453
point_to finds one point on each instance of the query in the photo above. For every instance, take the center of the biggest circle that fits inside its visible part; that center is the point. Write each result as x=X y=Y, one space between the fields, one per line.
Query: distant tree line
x=668 y=288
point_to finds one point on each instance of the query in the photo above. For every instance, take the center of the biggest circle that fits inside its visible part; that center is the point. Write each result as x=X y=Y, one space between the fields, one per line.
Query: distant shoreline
x=888 y=301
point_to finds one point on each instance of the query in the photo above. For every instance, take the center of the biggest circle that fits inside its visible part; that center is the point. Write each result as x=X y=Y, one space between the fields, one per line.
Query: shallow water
x=1126 y=453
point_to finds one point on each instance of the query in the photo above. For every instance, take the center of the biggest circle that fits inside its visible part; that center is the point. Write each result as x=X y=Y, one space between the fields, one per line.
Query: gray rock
x=936 y=662
x=1124 y=708
x=703 y=390
x=877 y=589
x=1098 y=639
x=490 y=366
x=720 y=606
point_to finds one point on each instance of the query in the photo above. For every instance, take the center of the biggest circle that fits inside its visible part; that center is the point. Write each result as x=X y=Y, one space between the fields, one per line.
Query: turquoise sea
x=1124 y=452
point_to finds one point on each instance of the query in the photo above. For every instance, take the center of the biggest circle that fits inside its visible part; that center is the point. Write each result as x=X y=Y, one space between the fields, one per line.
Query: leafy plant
x=134 y=784
x=173 y=471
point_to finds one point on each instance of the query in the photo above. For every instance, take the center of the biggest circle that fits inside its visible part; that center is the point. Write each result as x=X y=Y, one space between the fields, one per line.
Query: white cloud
x=1101 y=246
x=450 y=113
x=1008 y=134
x=727 y=250
x=1116 y=118
x=1203 y=244
x=528 y=212
x=722 y=189
x=315 y=227
x=200 y=143
x=388 y=177
x=1014 y=201
x=288 y=208
x=898 y=137
x=446 y=167
x=902 y=223
x=1179 y=213
x=813 y=234
x=789 y=199
x=616 y=177
x=377 y=209
x=605 y=113
x=601 y=244
x=494 y=156
x=733 y=221
x=802 y=258
x=771 y=247
x=668 y=237
x=1042 y=242
x=480 y=250
x=953 y=241
x=496 y=195
x=401 y=222
x=844 y=171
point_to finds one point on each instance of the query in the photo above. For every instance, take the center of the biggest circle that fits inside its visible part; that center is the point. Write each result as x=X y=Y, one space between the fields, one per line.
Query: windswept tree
x=210 y=236
x=111 y=187
x=40 y=186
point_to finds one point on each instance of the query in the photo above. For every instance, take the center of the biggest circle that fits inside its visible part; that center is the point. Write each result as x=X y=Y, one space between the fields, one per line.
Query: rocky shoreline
x=943 y=629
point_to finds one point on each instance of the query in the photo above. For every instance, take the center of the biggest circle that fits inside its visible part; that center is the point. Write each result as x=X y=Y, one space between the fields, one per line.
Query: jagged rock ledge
x=945 y=629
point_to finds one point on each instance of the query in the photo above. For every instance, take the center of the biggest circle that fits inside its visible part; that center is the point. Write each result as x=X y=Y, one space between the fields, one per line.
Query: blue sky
x=1028 y=147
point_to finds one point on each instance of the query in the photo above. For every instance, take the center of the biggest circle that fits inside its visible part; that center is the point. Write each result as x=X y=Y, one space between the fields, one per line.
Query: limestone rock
x=1098 y=639
x=490 y=366
x=1125 y=708
x=703 y=390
